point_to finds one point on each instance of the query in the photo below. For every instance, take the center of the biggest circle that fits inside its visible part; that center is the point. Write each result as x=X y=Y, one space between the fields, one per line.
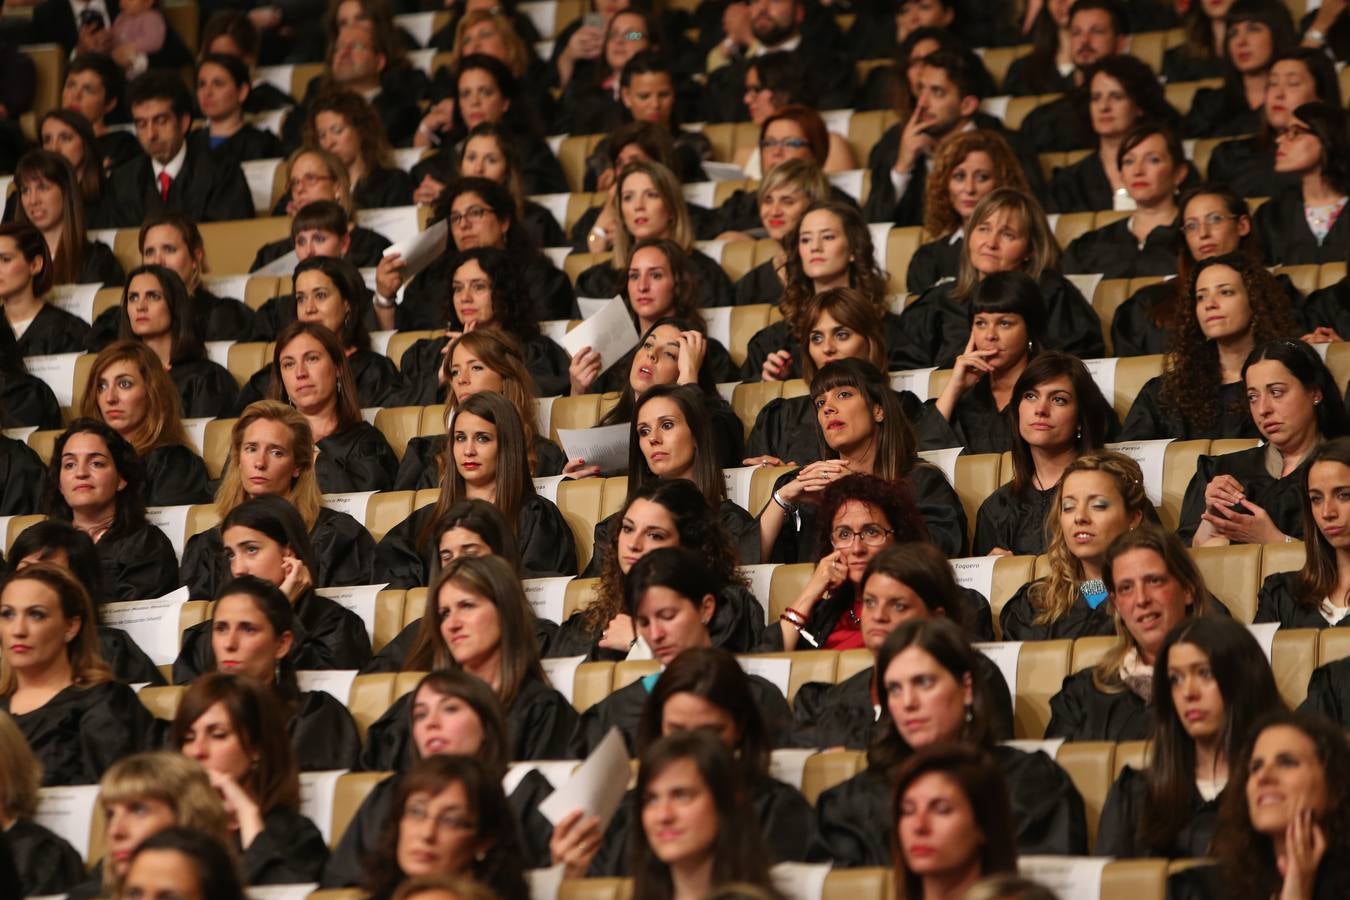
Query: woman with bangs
x=1204 y=50
x=1236 y=306
x=783 y=196
x=966 y=167
x=1218 y=685
x=1008 y=232
x=1153 y=585
x=347 y=126
x=272 y=452
x=130 y=392
x=46 y=863
x=503 y=32
x=26 y=280
x=1060 y=414
x=1255 y=33
x=1256 y=496
x=96 y=482
x=69 y=133
x=236 y=730
x=1302 y=225
x=50 y=200
x=491 y=462
x=486 y=360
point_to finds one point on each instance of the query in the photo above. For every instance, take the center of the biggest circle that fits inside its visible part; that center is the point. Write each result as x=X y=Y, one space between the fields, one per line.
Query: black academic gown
x=1150 y=419
x=365 y=251
x=358 y=459
x=98 y=263
x=213 y=319
x=129 y=663
x=175 y=476
x=1082 y=186
x=80 y=732
x=207 y=189
x=1057 y=127
x=1329 y=307
x=422 y=460
x=546 y=362
x=1329 y=692
x=1013 y=522
x=426 y=299
x=1180 y=64
x=23 y=478
x=323 y=734
x=53 y=330
x=786 y=428
x=206 y=388
x=713 y=289
x=1281 y=497
x=1279 y=600
x=1217 y=112
x=27 y=402
x=933 y=262
x=760 y=285
x=248 y=143
x=538 y=724
x=1135 y=328
x=344 y=550
x=1081 y=620
x=378 y=382
x=1117 y=831
x=941 y=326
x=1247 y=165
x=47 y=863
x=855 y=816
x=1081 y=712
x=901 y=350
x=289 y=850
x=138 y=563
x=545 y=540
x=1286 y=239
x=1113 y=251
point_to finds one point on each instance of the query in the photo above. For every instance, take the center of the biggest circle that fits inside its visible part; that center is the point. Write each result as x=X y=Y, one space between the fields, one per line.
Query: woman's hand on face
x=583 y=370
x=574 y=843
x=242 y=809
x=999 y=551
x=830 y=573
x=777 y=366
x=972 y=365
x=618 y=634
x=577 y=468
x=693 y=347
x=1304 y=846
x=296 y=579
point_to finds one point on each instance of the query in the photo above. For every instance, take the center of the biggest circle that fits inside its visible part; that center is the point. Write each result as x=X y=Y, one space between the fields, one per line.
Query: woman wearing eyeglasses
x=1303 y=225
x=775 y=82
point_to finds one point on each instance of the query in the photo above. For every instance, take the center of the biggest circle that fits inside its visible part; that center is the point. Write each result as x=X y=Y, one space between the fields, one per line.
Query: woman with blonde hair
x=1100 y=497
x=1007 y=232
x=53 y=681
x=783 y=197
x=272 y=452
x=47 y=864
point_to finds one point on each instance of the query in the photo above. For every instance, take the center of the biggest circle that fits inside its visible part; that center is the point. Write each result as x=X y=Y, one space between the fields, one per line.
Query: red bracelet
x=795 y=613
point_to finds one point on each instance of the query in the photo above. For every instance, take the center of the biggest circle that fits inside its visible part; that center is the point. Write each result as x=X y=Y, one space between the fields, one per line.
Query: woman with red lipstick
x=76 y=719
x=1153 y=585
x=272 y=452
x=783 y=196
x=1256 y=496
x=1153 y=165
x=1255 y=32
x=1236 y=306
x=929 y=687
x=95 y=482
x=236 y=729
x=1302 y=225
x=26 y=276
x=1218 y=685
x=1205 y=48
x=50 y=200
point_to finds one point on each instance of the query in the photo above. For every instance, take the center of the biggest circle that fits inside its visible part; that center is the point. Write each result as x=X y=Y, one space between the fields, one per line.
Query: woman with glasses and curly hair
x=347 y=126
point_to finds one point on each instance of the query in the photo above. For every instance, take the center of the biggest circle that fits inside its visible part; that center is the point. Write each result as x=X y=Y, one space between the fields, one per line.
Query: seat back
x=348 y=795
x=786 y=585
x=579 y=502
x=752 y=396
x=1282 y=558
x=745 y=321
x=826 y=769
x=859 y=884
x=1293 y=656
x=368 y=699
x=1088 y=651
x=1134 y=879
x=387 y=509
x=162 y=700
x=1332 y=644
x=231 y=246
x=1091 y=766
x=1010 y=573
x=1041 y=668
x=630 y=670
x=591 y=684
x=976 y=479
x=1233 y=574
x=1132 y=372
x=1178 y=470
x=851 y=662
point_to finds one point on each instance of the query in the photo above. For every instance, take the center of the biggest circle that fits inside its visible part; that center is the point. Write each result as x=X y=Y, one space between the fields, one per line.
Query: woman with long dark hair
x=1255 y=32
x=1302 y=224
x=26 y=278
x=50 y=200
x=1042 y=71
x=69 y=133
x=783 y=196
x=45 y=862
x=1204 y=50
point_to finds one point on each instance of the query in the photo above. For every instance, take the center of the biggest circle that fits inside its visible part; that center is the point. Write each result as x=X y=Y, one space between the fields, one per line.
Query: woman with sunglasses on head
x=27 y=276
x=1256 y=496
x=50 y=200
x=1302 y=225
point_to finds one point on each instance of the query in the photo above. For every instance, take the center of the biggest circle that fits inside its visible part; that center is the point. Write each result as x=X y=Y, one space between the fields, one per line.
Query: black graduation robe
x=175 y=476
x=901 y=350
x=138 y=563
x=47 y=863
x=1180 y=64
x=941 y=326
x=1217 y=112
x=1329 y=692
x=207 y=189
x=855 y=816
x=129 y=663
x=1247 y=165
x=760 y=285
x=1135 y=328
x=81 y=731
x=248 y=143
x=426 y=299
x=116 y=148
x=53 y=330
x=1082 y=186
x=1329 y=307
x=1207 y=881
x=1286 y=239
x=544 y=359
x=99 y=265
x=713 y=289
x=344 y=550
x=421 y=463
x=538 y=725
x=213 y=319
x=378 y=382
x=739 y=524
x=933 y=262
x=1281 y=497
x=323 y=733
x=1081 y=712
x=1117 y=831
x=1016 y=619
x=1150 y=419
x=1021 y=80
x=206 y=388
x=358 y=459
x=1113 y=251
x=787 y=429
x=1057 y=127
x=1279 y=600
x=1013 y=522
x=26 y=402
x=23 y=479
x=289 y=850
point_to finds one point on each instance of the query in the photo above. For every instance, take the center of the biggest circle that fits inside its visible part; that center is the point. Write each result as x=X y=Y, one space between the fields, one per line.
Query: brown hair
x=304 y=494
x=940 y=218
x=499 y=351
x=87 y=667
x=850 y=309
x=361 y=117
x=864 y=274
x=1042 y=251
x=45 y=165
x=811 y=124
x=163 y=425
x=348 y=403
x=517 y=56
x=681 y=229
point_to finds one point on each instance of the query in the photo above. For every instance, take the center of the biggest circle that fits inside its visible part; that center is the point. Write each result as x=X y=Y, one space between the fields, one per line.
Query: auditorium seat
x=851 y=662
x=1148 y=46
x=399 y=424
x=1201 y=151
x=788 y=581
x=859 y=884
x=48 y=63
x=976 y=479
x=370 y=696
x=389 y=612
x=998 y=60
x=1329 y=273
x=1020 y=107
x=1041 y=668
x=231 y=246
x=261 y=288
x=579 y=502
x=1091 y=766
x=901 y=244
x=596 y=889
x=425 y=497
x=1281 y=558
x=1305 y=278
x=1110 y=294
x=591 y=684
x=201 y=517
x=162 y=700
x=580 y=593
x=1178 y=469
x=246 y=358
x=1181 y=93
x=1134 y=879
x=1338 y=361
x=1231 y=445
x=400 y=341
x=582 y=411
x=572 y=155
x=761 y=486
x=432 y=421
x=107 y=298
x=807 y=666
x=866 y=127
x=84 y=364
x=1135 y=754
x=405 y=683
x=43 y=443
x=16 y=526
x=628 y=671
x=612 y=495
x=1293 y=656
x=414 y=605
x=745 y=322
x=1332 y=644
x=1088 y=651
x=349 y=793
x=828 y=768
x=752 y=396
x=1010 y=573
x=1132 y=372
x=1233 y=574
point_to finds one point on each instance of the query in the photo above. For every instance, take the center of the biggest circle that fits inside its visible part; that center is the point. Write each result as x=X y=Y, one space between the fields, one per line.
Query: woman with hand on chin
x=1256 y=496
x=235 y=729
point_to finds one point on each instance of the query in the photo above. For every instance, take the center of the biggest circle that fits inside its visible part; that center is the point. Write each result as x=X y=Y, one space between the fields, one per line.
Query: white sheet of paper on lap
x=353 y=504
x=605 y=446
x=788 y=765
x=913 y=380
x=260 y=174
x=738 y=486
x=562 y=673
x=975 y=573
x=219 y=352
x=419 y=248
x=360 y=599
x=1264 y=632
x=589 y=306
x=760 y=576
x=68 y=811
x=700 y=193
x=280 y=891
x=944 y=460
x=547 y=596
x=800 y=881
x=282 y=266
x=596 y=787
x=718 y=320
x=1079 y=877
x=152 y=624
x=774 y=670
x=556 y=772
x=545 y=884
x=57 y=370
x=1103 y=372
x=1150 y=455
x=76 y=299
x=172 y=520
x=1004 y=654
x=849 y=181
x=337 y=683
x=1049 y=746
x=316 y=798
x=543 y=415
x=19 y=434
x=609 y=332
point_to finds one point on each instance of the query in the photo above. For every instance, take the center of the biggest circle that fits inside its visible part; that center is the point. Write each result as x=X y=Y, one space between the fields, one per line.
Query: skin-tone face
x=148 y=307
x=267 y=463
x=310 y=242
x=250 y=552
x=1149 y=598
x=784 y=139
x=1195 y=692
x=781 y=210
x=657 y=361
x=861 y=519
x=999 y=243
x=309 y=374
x=846 y=419
x=85 y=94
x=475 y=448
x=679 y=815
x=927 y=703
x=664 y=438
x=1092 y=35
x=915 y=14
x=471 y=294
x=34 y=631
x=483 y=38
x=310 y=180
x=474 y=224
x=1047 y=415
x=351 y=12
x=483 y=158
x=214 y=742
x=1113 y=112
x=89 y=480
x=823 y=246
x=317 y=300
x=630 y=153
x=1282 y=407
x=43 y=202
x=459 y=541
x=1289 y=86
x=625 y=38
x=164 y=246
x=16 y=273
x=355 y=60
x=123 y=399
x=1151 y=175
x=436 y=833
x=159 y=130
x=442 y=723
x=937 y=829
x=887 y=604
x=162 y=875
x=917 y=54
x=1329 y=498
x=480 y=98
x=470 y=625
x=1210 y=229
x=644 y=210
x=1003 y=332
x=671 y=623
x=685 y=711
x=759 y=100
x=829 y=341
x=1250 y=46
x=1297 y=149
x=646 y=526
x=651 y=286
x=774 y=21
x=59 y=137
x=1093 y=514
x=1284 y=777
x=650 y=97
x=243 y=640
x=217 y=94
x=942 y=107
x=131 y=822
x=469 y=374
x=338 y=137
x=972 y=178
x=1221 y=303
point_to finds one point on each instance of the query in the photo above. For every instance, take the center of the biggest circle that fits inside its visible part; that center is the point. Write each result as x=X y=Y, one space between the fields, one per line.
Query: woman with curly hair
x=1302 y=225
x=1100 y=497
x=1255 y=33
x=1237 y=306
x=1008 y=232
x=966 y=167
x=347 y=126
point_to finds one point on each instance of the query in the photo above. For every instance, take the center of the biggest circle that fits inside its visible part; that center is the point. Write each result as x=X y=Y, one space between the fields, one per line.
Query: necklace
x=1093 y=591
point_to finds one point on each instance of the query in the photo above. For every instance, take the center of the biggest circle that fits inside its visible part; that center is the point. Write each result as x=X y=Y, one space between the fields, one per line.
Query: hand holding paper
x=605 y=447
x=597 y=786
x=609 y=332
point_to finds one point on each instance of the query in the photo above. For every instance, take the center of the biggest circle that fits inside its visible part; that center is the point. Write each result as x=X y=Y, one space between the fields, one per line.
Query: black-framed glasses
x=871 y=535
x=472 y=214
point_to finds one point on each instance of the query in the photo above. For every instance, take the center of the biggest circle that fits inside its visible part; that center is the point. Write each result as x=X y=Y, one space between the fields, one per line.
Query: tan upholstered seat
x=399 y=424
x=824 y=770
x=1041 y=667
x=1091 y=766
x=349 y=793
x=1233 y=574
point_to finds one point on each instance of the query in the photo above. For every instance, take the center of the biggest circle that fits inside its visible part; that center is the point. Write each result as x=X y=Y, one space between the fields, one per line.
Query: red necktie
x=164 y=182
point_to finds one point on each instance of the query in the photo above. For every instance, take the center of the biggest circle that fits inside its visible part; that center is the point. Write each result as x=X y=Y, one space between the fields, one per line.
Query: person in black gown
x=783 y=196
x=76 y=719
x=23 y=477
x=223 y=87
x=346 y=125
x=1255 y=33
x=1218 y=685
x=1153 y=585
x=255 y=771
x=1256 y=496
x=1201 y=55
x=1048 y=813
x=26 y=401
x=39 y=327
x=95 y=482
x=1302 y=224
x=50 y=199
x=94 y=86
x=478 y=620
x=1060 y=415
x=46 y=862
x=67 y=132
x=185 y=861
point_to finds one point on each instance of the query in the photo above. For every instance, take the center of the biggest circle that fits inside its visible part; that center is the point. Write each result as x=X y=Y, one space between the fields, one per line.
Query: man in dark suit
x=172 y=174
